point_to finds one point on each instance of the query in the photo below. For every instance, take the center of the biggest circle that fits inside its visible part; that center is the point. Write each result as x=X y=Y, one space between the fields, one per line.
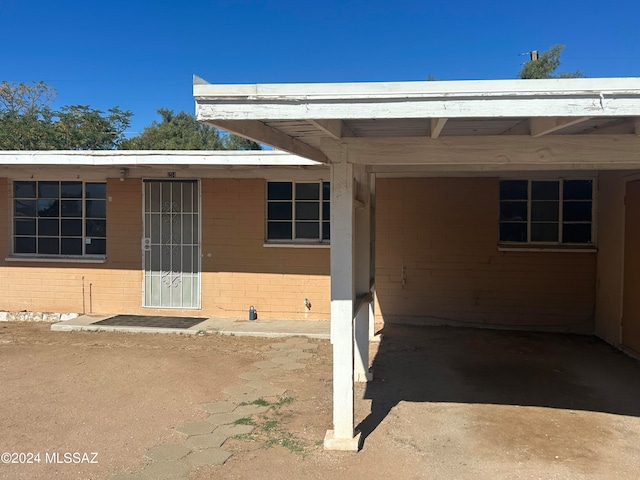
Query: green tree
x=546 y=65
x=181 y=131
x=27 y=121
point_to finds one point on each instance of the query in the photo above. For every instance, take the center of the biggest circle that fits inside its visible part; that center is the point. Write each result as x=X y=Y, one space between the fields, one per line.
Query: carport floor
x=477 y=403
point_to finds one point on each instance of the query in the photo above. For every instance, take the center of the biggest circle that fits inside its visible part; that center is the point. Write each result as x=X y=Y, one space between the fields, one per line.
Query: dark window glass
x=513 y=190
x=71 y=228
x=279 y=191
x=48 y=189
x=71 y=208
x=279 y=231
x=25 y=245
x=307 y=211
x=96 y=208
x=576 y=211
x=25 y=208
x=71 y=190
x=326 y=211
x=96 y=247
x=48 y=208
x=545 y=190
x=95 y=190
x=326 y=191
x=577 y=189
x=280 y=211
x=513 y=211
x=544 y=232
x=576 y=233
x=307 y=191
x=513 y=232
x=96 y=228
x=24 y=189
x=71 y=246
x=544 y=211
x=48 y=227
x=307 y=230
x=25 y=226
x=326 y=230
x=48 y=246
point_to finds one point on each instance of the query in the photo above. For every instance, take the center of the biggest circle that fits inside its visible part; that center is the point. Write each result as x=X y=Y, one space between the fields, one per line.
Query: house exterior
x=167 y=233
x=502 y=204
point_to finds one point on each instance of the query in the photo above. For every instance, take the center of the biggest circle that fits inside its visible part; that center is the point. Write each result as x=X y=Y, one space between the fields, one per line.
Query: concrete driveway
x=492 y=404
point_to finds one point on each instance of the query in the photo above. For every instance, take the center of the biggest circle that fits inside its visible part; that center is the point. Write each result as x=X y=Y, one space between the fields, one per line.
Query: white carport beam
x=261 y=133
x=543 y=126
x=437 y=124
x=597 y=152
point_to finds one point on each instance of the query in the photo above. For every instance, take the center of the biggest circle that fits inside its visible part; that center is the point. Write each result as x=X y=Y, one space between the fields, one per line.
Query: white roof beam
x=608 y=97
x=437 y=124
x=259 y=132
x=543 y=126
x=485 y=152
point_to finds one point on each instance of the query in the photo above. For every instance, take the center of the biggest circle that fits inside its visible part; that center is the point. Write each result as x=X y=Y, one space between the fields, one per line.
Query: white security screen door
x=171 y=244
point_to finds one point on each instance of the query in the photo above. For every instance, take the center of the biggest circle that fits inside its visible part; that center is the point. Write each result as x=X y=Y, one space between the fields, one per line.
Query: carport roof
x=305 y=118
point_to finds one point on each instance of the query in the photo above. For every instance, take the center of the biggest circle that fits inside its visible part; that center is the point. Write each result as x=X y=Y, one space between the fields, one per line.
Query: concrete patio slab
x=224 y=418
x=219 y=407
x=209 y=440
x=167 y=453
x=195 y=428
x=222 y=326
x=167 y=470
x=210 y=456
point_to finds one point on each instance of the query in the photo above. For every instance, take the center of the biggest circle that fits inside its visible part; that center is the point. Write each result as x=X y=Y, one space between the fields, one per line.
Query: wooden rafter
x=545 y=125
x=437 y=124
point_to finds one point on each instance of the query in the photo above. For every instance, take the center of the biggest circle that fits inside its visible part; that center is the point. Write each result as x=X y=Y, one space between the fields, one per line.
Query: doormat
x=150 y=321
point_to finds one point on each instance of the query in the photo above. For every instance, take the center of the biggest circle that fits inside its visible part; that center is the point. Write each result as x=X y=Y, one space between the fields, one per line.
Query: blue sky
x=140 y=54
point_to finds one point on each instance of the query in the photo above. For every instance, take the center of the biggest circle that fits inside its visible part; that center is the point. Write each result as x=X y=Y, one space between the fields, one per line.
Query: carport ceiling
x=303 y=118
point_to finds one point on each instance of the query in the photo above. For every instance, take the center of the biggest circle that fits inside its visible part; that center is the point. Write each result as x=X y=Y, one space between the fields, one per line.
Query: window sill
x=295 y=245
x=547 y=248
x=57 y=259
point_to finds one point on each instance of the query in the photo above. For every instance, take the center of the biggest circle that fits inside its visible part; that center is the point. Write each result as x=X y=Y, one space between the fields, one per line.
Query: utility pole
x=533 y=55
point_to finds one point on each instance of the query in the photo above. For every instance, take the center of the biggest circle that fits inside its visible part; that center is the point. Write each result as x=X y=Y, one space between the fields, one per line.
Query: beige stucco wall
x=441 y=234
x=237 y=270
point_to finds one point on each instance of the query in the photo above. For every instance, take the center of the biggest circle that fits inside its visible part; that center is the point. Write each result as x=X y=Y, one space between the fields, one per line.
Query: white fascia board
x=133 y=158
x=449 y=99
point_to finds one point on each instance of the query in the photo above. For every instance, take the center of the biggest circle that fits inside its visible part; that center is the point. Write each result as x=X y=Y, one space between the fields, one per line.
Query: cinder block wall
x=237 y=270
x=437 y=262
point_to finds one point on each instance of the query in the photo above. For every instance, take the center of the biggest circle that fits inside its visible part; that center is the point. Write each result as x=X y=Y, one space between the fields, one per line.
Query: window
x=546 y=211
x=59 y=218
x=298 y=211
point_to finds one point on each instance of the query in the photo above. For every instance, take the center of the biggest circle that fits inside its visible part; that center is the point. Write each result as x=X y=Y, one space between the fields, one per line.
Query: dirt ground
x=446 y=403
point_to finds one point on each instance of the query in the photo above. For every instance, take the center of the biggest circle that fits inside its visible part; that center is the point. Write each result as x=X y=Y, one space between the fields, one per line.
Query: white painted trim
x=132 y=158
x=403 y=90
x=554 y=249
x=296 y=245
x=60 y=259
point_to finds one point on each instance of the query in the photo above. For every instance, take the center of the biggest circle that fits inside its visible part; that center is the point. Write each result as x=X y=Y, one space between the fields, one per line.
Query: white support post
x=372 y=255
x=361 y=370
x=342 y=301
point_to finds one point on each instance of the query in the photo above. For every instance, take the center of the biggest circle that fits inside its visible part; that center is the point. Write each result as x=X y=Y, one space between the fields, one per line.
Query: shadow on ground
x=441 y=364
